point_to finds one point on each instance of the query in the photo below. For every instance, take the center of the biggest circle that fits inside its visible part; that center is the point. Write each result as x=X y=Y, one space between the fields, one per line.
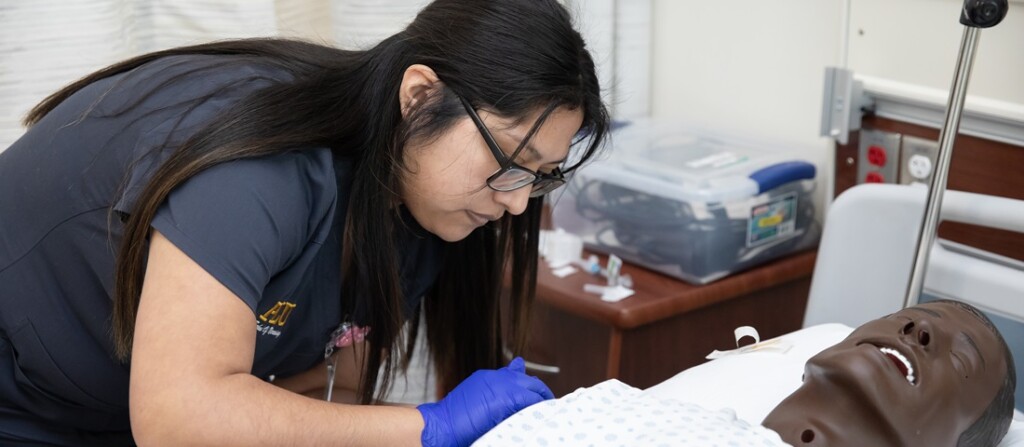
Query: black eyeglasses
x=510 y=176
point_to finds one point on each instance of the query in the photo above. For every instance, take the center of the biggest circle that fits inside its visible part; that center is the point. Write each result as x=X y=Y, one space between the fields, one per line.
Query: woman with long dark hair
x=156 y=209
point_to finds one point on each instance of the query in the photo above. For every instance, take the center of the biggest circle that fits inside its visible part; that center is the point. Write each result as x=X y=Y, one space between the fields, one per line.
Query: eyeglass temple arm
x=488 y=138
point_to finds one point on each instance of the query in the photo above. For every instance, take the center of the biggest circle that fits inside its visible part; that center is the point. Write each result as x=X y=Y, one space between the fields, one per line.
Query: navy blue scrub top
x=269 y=229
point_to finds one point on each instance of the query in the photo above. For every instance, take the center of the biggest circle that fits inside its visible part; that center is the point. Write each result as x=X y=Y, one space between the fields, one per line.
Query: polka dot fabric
x=612 y=413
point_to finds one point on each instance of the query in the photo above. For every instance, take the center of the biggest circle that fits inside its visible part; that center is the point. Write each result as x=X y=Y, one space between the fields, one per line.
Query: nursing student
x=198 y=245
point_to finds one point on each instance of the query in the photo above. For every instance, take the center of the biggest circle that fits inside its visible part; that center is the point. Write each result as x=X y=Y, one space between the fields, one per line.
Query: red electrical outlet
x=877 y=156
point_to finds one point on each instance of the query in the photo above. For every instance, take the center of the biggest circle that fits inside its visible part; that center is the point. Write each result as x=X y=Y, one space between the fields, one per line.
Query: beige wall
x=748 y=64
x=884 y=32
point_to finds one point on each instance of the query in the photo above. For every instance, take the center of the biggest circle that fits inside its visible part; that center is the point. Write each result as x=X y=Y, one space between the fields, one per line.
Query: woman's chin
x=453 y=233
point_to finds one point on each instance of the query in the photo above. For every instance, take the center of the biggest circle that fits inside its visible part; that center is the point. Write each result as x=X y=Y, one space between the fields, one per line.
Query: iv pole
x=976 y=14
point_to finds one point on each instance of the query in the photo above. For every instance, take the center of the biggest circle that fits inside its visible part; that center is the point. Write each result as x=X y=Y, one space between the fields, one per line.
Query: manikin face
x=446 y=187
x=918 y=377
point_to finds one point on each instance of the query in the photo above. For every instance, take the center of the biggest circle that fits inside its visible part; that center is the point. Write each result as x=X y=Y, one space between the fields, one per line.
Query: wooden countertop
x=658 y=296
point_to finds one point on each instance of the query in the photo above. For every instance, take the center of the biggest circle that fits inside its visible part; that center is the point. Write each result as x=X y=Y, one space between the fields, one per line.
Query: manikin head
x=935 y=374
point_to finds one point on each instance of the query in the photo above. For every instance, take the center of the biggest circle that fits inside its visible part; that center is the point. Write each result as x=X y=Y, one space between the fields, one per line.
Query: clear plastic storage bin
x=691 y=205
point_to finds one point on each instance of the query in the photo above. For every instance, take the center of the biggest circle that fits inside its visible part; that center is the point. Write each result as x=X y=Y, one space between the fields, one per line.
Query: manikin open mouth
x=901 y=362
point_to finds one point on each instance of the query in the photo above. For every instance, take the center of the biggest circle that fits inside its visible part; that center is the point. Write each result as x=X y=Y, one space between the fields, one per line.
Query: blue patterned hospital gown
x=612 y=413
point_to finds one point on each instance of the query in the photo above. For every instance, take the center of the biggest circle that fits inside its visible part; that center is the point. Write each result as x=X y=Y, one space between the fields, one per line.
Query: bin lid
x=693 y=165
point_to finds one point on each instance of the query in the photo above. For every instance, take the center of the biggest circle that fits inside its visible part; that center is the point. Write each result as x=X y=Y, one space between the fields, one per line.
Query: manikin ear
x=417 y=83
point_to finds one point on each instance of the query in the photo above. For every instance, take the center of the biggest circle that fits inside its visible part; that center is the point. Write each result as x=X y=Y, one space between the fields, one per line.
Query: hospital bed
x=861 y=273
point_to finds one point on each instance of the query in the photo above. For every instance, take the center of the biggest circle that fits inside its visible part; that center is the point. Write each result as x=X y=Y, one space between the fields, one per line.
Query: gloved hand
x=479 y=403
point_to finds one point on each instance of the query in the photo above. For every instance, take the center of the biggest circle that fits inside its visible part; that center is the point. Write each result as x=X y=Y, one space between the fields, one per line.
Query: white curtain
x=618 y=34
x=46 y=44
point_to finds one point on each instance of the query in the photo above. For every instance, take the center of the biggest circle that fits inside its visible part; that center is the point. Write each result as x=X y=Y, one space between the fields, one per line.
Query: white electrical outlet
x=919 y=167
x=917 y=160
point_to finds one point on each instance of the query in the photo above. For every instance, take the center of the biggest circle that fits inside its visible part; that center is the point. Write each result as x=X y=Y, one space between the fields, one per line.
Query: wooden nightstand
x=666 y=327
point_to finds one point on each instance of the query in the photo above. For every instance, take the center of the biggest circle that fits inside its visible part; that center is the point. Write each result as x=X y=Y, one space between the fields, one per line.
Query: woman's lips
x=480 y=219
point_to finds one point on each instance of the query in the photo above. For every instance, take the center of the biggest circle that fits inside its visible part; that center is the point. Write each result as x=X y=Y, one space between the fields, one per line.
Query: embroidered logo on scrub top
x=276 y=316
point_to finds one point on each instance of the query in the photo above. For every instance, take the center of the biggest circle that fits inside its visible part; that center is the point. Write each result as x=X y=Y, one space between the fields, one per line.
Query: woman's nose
x=514 y=201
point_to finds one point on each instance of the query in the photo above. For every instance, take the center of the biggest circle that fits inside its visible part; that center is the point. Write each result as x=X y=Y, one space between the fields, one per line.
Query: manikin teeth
x=899 y=356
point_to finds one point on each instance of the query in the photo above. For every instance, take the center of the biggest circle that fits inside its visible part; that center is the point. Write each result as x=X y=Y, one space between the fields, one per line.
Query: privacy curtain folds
x=46 y=44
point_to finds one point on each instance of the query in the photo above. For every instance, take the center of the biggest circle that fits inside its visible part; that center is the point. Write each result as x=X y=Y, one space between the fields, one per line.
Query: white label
x=718 y=160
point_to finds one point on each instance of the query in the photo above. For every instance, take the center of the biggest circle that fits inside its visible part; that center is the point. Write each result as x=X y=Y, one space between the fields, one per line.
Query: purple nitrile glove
x=479 y=403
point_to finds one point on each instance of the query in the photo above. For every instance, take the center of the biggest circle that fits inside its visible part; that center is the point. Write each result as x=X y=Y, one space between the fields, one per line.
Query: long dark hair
x=508 y=56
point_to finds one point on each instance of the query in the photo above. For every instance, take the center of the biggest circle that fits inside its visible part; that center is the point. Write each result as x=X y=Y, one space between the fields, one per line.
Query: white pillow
x=751 y=384
x=1015 y=437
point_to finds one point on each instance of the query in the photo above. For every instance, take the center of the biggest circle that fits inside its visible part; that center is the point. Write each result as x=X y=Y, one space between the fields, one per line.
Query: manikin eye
x=959 y=364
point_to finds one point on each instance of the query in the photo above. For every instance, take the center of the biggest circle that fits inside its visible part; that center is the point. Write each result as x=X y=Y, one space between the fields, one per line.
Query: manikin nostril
x=807 y=436
x=923 y=338
x=908 y=327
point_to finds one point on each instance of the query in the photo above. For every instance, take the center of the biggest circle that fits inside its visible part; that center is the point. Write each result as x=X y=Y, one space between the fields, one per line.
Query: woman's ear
x=417 y=83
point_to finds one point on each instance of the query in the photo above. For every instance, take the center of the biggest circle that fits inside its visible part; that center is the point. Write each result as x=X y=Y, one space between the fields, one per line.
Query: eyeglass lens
x=512 y=179
x=545 y=186
x=515 y=178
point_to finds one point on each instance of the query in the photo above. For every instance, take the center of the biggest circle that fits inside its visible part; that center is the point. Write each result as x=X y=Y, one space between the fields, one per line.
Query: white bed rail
x=865 y=256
